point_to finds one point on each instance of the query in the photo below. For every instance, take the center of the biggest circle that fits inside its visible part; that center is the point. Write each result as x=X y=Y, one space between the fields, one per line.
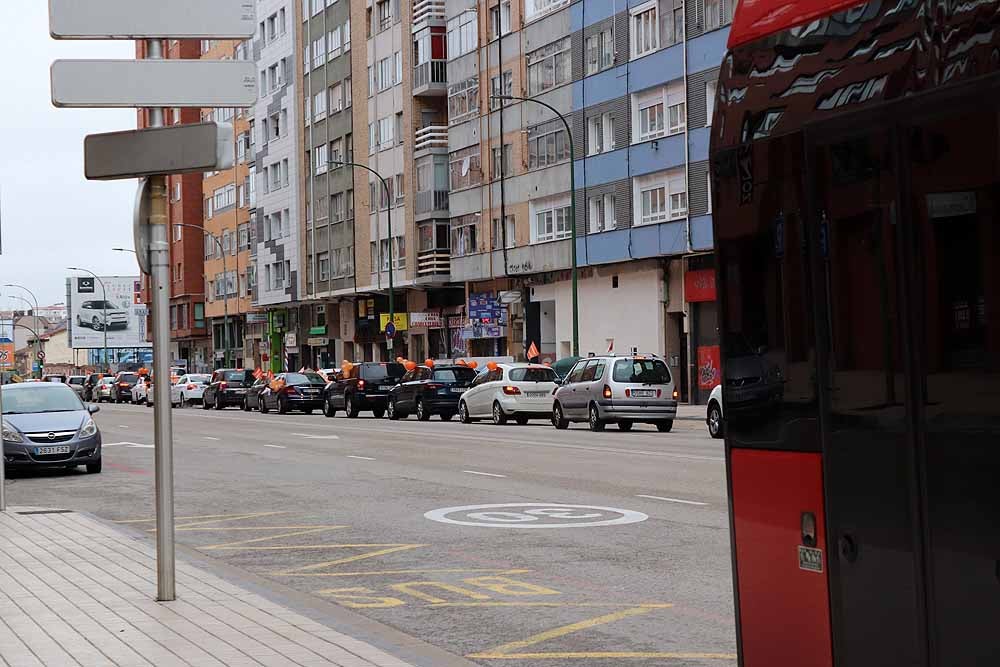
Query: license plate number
x=457 y=390
x=537 y=394
x=643 y=393
x=384 y=387
x=239 y=391
x=42 y=451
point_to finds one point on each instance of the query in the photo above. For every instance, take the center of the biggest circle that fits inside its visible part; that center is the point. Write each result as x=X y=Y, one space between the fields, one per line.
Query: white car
x=714 y=416
x=189 y=389
x=93 y=314
x=519 y=391
x=140 y=392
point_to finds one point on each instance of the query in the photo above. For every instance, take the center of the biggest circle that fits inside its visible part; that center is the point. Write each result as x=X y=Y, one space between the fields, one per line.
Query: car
x=365 y=388
x=141 y=390
x=89 y=385
x=189 y=389
x=624 y=390
x=61 y=379
x=227 y=388
x=75 y=383
x=430 y=390
x=713 y=417
x=251 y=401
x=519 y=391
x=105 y=389
x=123 y=386
x=47 y=425
x=293 y=391
x=92 y=314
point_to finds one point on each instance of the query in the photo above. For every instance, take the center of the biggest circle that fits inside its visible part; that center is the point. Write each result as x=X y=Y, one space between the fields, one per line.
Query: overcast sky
x=52 y=216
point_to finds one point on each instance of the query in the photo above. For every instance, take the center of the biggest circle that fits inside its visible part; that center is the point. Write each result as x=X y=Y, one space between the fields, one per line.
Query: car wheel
x=499 y=416
x=95 y=324
x=205 y=405
x=282 y=406
x=350 y=407
x=423 y=414
x=558 y=418
x=390 y=409
x=218 y=405
x=521 y=421
x=665 y=426
x=463 y=413
x=446 y=416
x=328 y=409
x=714 y=420
x=595 y=422
x=378 y=412
x=94 y=468
x=262 y=405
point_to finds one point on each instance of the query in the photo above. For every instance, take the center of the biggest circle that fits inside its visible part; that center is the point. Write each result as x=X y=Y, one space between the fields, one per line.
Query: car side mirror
x=93 y=409
x=557 y=382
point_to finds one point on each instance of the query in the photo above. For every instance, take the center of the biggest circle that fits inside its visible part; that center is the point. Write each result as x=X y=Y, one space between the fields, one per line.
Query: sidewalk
x=77 y=591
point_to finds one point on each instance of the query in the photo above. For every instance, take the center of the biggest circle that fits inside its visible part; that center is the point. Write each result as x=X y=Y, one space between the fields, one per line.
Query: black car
x=88 y=386
x=296 y=391
x=228 y=387
x=430 y=391
x=123 y=386
x=251 y=400
x=366 y=388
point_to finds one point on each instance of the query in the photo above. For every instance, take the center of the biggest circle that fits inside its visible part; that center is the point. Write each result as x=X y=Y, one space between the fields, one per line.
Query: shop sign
x=400 y=320
x=256 y=318
x=709 y=367
x=484 y=308
x=699 y=285
x=291 y=340
x=317 y=342
x=475 y=331
x=426 y=320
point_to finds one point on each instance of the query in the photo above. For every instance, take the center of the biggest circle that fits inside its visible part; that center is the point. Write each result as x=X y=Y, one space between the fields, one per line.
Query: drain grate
x=47 y=512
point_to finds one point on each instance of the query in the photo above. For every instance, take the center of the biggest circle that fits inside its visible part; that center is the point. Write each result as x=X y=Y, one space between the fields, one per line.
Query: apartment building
x=635 y=81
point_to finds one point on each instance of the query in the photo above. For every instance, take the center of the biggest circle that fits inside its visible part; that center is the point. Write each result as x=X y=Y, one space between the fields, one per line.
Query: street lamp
x=388 y=217
x=104 y=308
x=572 y=212
x=38 y=342
x=34 y=298
x=225 y=288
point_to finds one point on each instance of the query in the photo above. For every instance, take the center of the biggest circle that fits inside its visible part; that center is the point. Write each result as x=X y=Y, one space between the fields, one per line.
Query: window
x=645 y=29
x=718 y=13
x=336 y=152
x=398 y=69
x=336 y=95
x=333 y=43
x=243 y=236
x=503 y=234
x=676 y=118
x=386 y=128
x=600 y=50
x=551 y=221
x=660 y=197
x=337 y=207
x=317 y=7
x=319 y=51
x=501 y=161
x=503 y=86
x=347 y=35
x=462 y=34
x=177 y=232
x=432 y=236
x=547 y=144
x=464 y=168
x=601 y=213
x=463 y=99
x=399 y=127
x=549 y=66
x=500 y=19
x=272 y=27
x=224 y=197
x=383 y=74
x=658 y=112
x=175 y=195
x=209 y=246
x=383 y=15
x=464 y=232
x=319 y=106
x=199 y=316
x=349 y=198
x=323 y=262
x=322 y=157
x=600 y=134
x=710 y=88
x=534 y=9
x=284 y=172
x=400 y=190
x=347 y=92
x=399 y=250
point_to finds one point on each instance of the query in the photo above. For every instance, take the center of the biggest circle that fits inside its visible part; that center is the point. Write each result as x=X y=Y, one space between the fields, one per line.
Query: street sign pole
x=3 y=460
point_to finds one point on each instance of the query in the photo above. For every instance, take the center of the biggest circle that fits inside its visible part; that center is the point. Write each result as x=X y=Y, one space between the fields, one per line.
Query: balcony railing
x=427 y=10
x=432 y=136
x=429 y=201
x=434 y=262
x=431 y=73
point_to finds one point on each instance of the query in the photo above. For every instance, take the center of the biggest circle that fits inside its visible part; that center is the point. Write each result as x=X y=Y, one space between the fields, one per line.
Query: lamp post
x=33 y=297
x=104 y=308
x=225 y=288
x=388 y=216
x=572 y=205
x=38 y=342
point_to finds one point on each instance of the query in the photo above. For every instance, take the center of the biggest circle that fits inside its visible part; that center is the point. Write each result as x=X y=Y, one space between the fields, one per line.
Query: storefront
x=705 y=356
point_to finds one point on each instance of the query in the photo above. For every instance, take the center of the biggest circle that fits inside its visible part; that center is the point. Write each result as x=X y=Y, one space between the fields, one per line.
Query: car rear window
x=532 y=375
x=304 y=378
x=454 y=375
x=235 y=376
x=200 y=379
x=379 y=371
x=128 y=377
x=644 y=371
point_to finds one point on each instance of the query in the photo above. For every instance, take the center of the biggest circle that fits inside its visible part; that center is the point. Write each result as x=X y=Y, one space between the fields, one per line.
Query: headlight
x=88 y=429
x=11 y=434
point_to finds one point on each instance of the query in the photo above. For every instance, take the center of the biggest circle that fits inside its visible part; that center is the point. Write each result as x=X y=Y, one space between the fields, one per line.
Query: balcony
x=430 y=202
x=426 y=12
x=431 y=78
x=433 y=263
x=432 y=138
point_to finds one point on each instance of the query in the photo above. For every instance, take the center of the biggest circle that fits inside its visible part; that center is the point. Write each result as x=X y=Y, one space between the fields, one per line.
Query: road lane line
x=207 y=437
x=362 y=458
x=673 y=500
x=484 y=474
x=276 y=446
x=307 y=436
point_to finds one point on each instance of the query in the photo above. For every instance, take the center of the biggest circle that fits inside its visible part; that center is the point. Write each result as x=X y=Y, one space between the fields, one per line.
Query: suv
x=366 y=388
x=228 y=387
x=123 y=387
x=427 y=391
x=93 y=314
x=89 y=385
x=621 y=390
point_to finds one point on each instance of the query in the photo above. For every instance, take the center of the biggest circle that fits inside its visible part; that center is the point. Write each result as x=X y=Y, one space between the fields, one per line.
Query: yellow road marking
x=230 y=517
x=411 y=588
x=433 y=571
x=242 y=543
x=543 y=604
x=230 y=528
x=188 y=518
x=310 y=570
x=613 y=655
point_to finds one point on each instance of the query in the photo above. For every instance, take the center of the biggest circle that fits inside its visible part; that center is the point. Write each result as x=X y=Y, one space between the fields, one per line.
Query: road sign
x=176 y=149
x=150 y=19
x=41 y=355
x=390 y=330
x=153 y=83
x=140 y=225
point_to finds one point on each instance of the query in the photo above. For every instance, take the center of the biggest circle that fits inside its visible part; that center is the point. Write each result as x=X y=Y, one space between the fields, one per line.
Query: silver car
x=47 y=425
x=620 y=390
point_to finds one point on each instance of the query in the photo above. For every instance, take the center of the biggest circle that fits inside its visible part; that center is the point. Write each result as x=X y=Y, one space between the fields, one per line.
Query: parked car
x=620 y=390
x=227 y=388
x=93 y=313
x=297 y=391
x=58 y=379
x=189 y=389
x=105 y=389
x=123 y=386
x=518 y=391
x=47 y=425
x=75 y=383
x=367 y=388
x=89 y=385
x=251 y=401
x=428 y=391
x=142 y=390
x=563 y=366
x=714 y=413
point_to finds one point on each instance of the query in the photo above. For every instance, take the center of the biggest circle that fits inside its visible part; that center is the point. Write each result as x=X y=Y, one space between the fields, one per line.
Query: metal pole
x=572 y=211
x=159 y=255
x=3 y=452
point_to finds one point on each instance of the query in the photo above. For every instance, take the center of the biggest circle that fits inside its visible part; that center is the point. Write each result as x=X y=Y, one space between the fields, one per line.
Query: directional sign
x=153 y=83
x=176 y=149
x=151 y=19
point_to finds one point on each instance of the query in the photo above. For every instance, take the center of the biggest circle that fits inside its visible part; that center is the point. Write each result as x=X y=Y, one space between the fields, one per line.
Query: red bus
x=856 y=189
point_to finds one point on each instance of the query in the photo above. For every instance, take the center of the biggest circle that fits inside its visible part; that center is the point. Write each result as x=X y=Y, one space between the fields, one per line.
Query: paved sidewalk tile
x=74 y=591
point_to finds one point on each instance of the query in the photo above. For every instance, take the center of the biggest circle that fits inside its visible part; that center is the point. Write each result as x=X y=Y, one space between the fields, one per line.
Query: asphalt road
x=336 y=508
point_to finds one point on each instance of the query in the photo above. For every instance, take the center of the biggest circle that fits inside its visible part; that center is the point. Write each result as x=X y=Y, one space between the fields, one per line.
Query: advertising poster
x=709 y=367
x=111 y=302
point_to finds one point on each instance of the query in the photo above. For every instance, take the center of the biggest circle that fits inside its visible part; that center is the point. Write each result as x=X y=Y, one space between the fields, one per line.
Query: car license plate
x=458 y=390
x=643 y=393
x=239 y=391
x=537 y=394
x=43 y=451
x=384 y=387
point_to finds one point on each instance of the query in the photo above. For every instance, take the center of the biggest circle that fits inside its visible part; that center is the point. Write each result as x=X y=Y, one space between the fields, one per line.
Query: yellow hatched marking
x=597 y=605
x=190 y=518
x=211 y=522
x=432 y=571
x=242 y=544
x=381 y=550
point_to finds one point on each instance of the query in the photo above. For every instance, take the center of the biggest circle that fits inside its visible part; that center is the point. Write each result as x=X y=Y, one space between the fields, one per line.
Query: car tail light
x=291 y=390
x=434 y=386
x=223 y=385
x=628 y=393
x=123 y=384
x=607 y=392
x=659 y=393
x=361 y=384
x=190 y=386
x=511 y=391
x=677 y=394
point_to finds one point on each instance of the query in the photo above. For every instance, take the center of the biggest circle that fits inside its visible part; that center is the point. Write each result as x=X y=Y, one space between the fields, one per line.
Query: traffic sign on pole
x=151 y=19
x=41 y=355
x=175 y=149
x=390 y=330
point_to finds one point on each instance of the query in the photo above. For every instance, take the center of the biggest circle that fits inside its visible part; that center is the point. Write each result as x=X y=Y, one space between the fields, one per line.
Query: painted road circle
x=535 y=515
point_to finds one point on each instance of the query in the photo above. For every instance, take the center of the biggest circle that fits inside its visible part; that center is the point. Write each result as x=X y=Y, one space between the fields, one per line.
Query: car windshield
x=455 y=375
x=40 y=398
x=304 y=378
x=378 y=371
x=532 y=375
x=645 y=371
x=128 y=377
x=76 y=380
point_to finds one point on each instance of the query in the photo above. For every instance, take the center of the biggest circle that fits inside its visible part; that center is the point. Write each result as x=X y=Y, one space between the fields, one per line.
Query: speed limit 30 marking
x=535 y=515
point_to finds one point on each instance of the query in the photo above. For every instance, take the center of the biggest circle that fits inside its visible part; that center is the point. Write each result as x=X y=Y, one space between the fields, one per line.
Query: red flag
x=270 y=375
x=611 y=345
x=533 y=352
x=258 y=373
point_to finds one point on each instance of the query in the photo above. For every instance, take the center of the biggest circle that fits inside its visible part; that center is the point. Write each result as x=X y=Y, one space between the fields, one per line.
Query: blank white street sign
x=151 y=19
x=153 y=83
